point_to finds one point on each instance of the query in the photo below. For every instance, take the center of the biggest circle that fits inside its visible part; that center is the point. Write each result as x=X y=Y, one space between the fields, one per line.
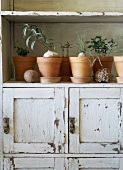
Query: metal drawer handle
x=6 y=127
x=72 y=125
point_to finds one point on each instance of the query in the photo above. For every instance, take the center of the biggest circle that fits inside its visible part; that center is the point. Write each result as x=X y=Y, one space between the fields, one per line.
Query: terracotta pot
x=81 y=80
x=49 y=67
x=118 y=60
x=80 y=67
x=65 y=69
x=50 y=79
x=23 y=64
x=106 y=61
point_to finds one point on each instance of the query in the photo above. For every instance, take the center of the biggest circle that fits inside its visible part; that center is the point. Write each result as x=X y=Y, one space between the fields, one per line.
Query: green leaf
x=27 y=41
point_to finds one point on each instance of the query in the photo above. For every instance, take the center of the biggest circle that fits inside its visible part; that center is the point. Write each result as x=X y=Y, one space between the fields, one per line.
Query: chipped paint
x=52 y=146
x=59 y=148
x=56 y=122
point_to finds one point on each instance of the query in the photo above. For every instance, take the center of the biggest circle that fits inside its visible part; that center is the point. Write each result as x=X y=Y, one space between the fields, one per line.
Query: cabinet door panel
x=97 y=118
x=34 y=163
x=95 y=163
x=36 y=120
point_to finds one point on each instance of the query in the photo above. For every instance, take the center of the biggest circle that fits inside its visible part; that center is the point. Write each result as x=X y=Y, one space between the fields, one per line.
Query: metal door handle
x=72 y=125
x=6 y=127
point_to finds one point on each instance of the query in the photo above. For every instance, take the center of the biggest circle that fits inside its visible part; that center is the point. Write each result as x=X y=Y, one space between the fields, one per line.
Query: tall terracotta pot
x=23 y=64
x=65 y=69
x=49 y=67
x=80 y=67
x=106 y=61
x=118 y=61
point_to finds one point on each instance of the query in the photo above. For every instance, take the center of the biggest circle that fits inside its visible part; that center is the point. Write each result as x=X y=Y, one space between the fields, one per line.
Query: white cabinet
x=60 y=126
x=97 y=119
x=36 y=120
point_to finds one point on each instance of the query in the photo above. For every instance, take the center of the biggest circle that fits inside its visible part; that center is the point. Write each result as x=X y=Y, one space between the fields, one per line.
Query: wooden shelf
x=68 y=17
x=22 y=84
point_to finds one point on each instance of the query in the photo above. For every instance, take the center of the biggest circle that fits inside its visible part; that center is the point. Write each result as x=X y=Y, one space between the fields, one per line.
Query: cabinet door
x=96 y=164
x=33 y=163
x=94 y=120
x=36 y=120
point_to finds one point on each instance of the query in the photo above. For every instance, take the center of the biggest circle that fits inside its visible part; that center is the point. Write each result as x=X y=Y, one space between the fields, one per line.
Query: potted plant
x=81 y=66
x=102 y=47
x=49 y=63
x=65 y=69
x=22 y=62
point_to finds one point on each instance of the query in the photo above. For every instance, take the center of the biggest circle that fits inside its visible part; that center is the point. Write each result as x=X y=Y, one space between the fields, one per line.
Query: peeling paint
x=97 y=129
x=104 y=145
x=56 y=122
x=115 y=149
x=59 y=148
x=52 y=146
x=86 y=105
x=12 y=161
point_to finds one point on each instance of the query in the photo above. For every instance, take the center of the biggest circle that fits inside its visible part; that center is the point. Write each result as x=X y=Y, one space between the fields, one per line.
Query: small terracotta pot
x=118 y=60
x=80 y=67
x=23 y=64
x=49 y=67
x=65 y=69
x=106 y=61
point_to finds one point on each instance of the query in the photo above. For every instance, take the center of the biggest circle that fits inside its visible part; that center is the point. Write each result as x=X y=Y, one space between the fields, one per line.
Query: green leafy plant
x=21 y=51
x=102 y=46
x=83 y=47
x=34 y=34
x=66 y=46
x=83 y=44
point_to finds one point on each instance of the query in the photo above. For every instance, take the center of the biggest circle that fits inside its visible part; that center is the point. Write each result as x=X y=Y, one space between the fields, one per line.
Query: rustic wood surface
x=70 y=5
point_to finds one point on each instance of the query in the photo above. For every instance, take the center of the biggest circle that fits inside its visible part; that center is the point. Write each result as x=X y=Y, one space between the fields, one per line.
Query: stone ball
x=103 y=75
x=31 y=76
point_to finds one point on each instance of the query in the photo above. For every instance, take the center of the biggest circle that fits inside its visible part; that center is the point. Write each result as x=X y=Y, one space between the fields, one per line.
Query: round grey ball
x=31 y=76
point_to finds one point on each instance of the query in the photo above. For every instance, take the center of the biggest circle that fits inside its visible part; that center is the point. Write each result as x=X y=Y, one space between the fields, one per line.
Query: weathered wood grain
x=5 y=5
x=70 y=5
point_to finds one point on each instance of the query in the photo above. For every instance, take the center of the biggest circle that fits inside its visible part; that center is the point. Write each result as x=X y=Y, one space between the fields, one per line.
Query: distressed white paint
x=36 y=120
x=64 y=155
x=17 y=84
x=97 y=125
x=34 y=163
x=86 y=17
x=121 y=124
x=94 y=163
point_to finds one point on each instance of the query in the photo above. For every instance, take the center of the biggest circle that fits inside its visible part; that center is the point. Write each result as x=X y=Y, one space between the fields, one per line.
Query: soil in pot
x=49 y=67
x=80 y=67
x=106 y=61
x=65 y=69
x=23 y=64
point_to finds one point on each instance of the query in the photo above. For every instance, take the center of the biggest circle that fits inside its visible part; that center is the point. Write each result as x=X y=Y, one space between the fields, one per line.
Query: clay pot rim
x=81 y=80
x=104 y=58
x=24 y=58
x=118 y=58
x=49 y=59
x=80 y=59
